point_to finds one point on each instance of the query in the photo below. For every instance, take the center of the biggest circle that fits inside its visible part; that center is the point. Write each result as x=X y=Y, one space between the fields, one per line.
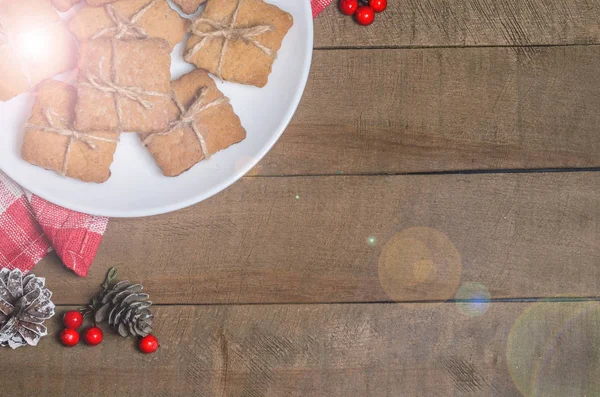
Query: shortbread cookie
x=124 y=86
x=203 y=123
x=34 y=45
x=50 y=141
x=238 y=40
x=130 y=19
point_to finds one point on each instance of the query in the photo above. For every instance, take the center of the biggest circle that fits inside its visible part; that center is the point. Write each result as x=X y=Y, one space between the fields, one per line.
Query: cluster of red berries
x=365 y=13
x=93 y=335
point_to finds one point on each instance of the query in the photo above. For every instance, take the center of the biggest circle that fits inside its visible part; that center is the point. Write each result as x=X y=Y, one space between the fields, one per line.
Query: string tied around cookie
x=134 y=93
x=108 y=85
x=187 y=118
x=228 y=32
x=55 y=123
x=125 y=28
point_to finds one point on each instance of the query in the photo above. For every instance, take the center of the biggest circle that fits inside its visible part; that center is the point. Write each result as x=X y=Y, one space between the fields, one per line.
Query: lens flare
x=33 y=45
x=473 y=299
x=552 y=350
x=419 y=263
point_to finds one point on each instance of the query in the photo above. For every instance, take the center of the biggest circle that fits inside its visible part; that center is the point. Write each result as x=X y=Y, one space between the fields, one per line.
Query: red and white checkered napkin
x=319 y=5
x=30 y=227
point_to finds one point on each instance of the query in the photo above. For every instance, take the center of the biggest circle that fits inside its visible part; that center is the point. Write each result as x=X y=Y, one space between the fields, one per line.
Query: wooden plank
x=308 y=239
x=415 y=23
x=330 y=350
x=397 y=111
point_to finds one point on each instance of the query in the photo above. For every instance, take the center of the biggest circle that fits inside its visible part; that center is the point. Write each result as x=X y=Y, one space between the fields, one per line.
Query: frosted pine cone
x=24 y=306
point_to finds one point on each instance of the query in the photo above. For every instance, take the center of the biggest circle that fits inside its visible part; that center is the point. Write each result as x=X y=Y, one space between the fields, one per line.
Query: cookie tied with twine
x=125 y=27
x=227 y=32
x=238 y=40
x=130 y=20
x=51 y=141
x=203 y=122
x=54 y=127
x=188 y=118
x=124 y=86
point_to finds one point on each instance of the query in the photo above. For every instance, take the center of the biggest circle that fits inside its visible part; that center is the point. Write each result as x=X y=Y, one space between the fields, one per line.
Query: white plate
x=137 y=187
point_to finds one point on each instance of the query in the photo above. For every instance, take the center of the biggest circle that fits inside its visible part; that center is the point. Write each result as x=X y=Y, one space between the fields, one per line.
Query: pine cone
x=126 y=308
x=24 y=305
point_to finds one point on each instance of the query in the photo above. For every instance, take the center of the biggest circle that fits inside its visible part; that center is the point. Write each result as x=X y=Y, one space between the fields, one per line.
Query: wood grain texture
x=520 y=235
x=433 y=23
x=398 y=111
x=329 y=350
x=379 y=238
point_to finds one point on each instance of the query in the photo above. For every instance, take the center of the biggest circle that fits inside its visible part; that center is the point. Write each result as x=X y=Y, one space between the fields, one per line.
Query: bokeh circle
x=552 y=350
x=473 y=299
x=419 y=264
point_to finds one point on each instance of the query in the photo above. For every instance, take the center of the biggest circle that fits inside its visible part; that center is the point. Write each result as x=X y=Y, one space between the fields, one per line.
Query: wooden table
x=421 y=175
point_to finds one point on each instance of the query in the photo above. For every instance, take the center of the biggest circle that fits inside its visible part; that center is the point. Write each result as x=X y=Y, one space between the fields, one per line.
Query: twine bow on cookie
x=228 y=32
x=187 y=118
x=133 y=93
x=125 y=28
x=54 y=126
x=108 y=85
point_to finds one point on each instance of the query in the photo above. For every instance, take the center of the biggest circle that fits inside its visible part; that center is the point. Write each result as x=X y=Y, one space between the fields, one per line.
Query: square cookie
x=34 y=45
x=238 y=40
x=51 y=143
x=130 y=19
x=124 y=86
x=203 y=123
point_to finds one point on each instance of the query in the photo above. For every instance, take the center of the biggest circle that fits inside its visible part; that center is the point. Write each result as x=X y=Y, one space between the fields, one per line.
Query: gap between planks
x=447 y=47
x=419 y=302
x=425 y=173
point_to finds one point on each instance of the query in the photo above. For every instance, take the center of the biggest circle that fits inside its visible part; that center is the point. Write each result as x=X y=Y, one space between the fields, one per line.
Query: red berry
x=93 y=336
x=348 y=7
x=378 y=5
x=365 y=15
x=72 y=320
x=148 y=344
x=69 y=337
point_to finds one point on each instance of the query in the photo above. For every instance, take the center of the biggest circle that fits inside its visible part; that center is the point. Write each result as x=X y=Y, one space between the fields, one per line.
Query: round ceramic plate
x=137 y=187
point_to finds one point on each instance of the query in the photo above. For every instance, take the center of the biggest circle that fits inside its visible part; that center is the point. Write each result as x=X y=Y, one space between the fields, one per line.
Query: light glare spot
x=473 y=299
x=33 y=45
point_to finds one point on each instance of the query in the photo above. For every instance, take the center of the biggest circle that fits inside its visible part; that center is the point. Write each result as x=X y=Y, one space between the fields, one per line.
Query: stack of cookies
x=124 y=81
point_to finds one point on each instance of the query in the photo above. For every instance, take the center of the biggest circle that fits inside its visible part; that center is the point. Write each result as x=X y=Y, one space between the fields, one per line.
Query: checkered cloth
x=319 y=5
x=30 y=227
